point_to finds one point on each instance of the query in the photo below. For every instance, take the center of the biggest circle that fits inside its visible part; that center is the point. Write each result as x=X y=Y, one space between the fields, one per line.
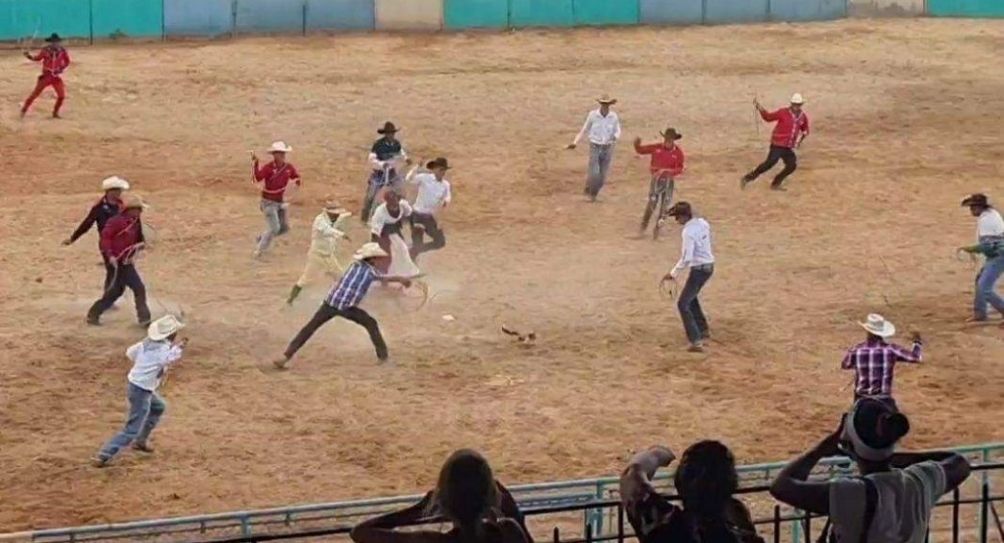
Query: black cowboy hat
x=671 y=133
x=440 y=162
x=53 y=38
x=977 y=199
x=680 y=208
x=388 y=128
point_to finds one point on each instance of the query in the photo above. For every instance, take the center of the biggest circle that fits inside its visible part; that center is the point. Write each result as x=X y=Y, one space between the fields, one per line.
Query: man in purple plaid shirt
x=875 y=359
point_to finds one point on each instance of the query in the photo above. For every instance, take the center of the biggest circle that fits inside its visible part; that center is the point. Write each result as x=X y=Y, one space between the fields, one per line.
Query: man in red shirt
x=792 y=127
x=121 y=241
x=275 y=178
x=54 y=60
x=666 y=164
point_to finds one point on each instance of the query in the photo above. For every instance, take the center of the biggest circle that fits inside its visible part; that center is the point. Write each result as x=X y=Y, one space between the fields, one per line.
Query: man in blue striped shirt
x=344 y=299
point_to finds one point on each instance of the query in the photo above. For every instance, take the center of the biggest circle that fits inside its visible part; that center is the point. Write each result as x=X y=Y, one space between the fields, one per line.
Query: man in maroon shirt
x=275 y=178
x=792 y=127
x=121 y=241
x=107 y=207
x=54 y=60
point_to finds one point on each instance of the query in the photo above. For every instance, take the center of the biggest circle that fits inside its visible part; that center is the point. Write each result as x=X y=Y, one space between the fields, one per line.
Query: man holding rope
x=696 y=255
x=434 y=194
x=101 y=212
x=344 y=299
x=55 y=60
x=666 y=164
x=792 y=127
x=603 y=127
x=328 y=228
x=874 y=360
x=990 y=243
x=121 y=242
x=386 y=226
x=385 y=155
x=275 y=178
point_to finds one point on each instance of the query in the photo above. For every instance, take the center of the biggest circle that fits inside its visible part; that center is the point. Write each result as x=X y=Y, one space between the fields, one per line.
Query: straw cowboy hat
x=163 y=327
x=388 y=128
x=671 y=133
x=114 y=182
x=606 y=99
x=877 y=325
x=369 y=250
x=133 y=202
x=440 y=162
x=797 y=99
x=332 y=207
x=279 y=147
x=53 y=38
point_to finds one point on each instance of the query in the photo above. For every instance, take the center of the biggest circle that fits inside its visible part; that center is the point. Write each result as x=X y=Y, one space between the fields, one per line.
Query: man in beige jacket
x=329 y=227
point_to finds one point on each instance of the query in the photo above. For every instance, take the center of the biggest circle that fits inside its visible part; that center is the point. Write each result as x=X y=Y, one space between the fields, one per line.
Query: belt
x=704 y=267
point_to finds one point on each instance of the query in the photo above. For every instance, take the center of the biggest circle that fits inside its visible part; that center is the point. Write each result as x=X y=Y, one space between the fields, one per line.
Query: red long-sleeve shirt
x=54 y=60
x=788 y=128
x=663 y=158
x=121 y=236
x=275 y=179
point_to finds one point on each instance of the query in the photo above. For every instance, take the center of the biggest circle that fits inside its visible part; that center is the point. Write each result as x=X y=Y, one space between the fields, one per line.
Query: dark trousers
x=325 y=313
x=125 y=276
x=694 y=321
x=422 y=224
x=109 y=272
x=776 y=153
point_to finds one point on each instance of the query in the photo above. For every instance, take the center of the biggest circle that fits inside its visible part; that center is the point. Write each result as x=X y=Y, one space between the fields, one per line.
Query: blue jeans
x=275 y=222
x=985 y=293
x=691 y=313
x=145 y=410
x=599 y=164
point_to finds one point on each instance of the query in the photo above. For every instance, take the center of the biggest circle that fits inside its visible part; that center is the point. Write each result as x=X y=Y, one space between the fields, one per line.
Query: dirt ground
x=906 y=122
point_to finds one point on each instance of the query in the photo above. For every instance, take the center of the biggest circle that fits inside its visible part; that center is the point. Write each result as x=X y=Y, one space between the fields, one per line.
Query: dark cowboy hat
x=440 y=162
x=53 y=38
x=977 y=199
x=671 y=133
x=388 y=128
x=680 y=208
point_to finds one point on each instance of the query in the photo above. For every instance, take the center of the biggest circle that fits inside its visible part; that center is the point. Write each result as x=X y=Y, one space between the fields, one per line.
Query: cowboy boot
x=293 y=294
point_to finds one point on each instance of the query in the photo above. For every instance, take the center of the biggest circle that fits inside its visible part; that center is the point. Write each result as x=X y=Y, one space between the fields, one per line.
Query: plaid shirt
x=352 y=287
x=873 y=361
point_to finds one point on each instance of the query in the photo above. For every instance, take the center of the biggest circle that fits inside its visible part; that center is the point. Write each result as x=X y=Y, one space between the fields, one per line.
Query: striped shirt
x=353 y=286
x=874 y=361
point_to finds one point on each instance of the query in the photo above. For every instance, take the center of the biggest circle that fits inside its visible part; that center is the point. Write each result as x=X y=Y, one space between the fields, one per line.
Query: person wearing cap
x=151 y=359
x=344 y=299
x=603 y=127
x=109 y=205
x=434 y=193
x=695 y=255
x=275 y=178
x=322 y=258
x=385 y=156
x=892 y=499
x=874 y=360
x=989 y=243
x=386 y=226
x=121 y=242
x=665 y=166
x=792 y=126
x=55 y=60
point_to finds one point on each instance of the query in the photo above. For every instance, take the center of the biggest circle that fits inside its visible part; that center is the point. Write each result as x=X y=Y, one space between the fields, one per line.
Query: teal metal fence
x=965 y=8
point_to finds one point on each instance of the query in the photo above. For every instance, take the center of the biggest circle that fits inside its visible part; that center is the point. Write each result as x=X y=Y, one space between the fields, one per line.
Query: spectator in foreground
x=480 y=508
x=705 y=480
x=892 y=499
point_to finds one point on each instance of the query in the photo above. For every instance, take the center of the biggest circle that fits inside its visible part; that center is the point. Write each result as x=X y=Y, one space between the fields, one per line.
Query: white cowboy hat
x=369 y=250
x=876 y=324
x=797 y=99
x=163 y=327
x=279 y=147
x=606 y=99
x=333 y=207
x=114 y=182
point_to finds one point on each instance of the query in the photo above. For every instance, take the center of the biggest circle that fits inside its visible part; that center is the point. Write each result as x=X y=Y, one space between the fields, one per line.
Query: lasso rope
x=668 y=288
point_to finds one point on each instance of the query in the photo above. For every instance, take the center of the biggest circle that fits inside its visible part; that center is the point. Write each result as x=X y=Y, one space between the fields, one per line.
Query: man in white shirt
x=385 y=229
x=989 y=243
x=696 y=255
x=328 y=228
x=151 y=358
x=434 y=193
x=604 y=129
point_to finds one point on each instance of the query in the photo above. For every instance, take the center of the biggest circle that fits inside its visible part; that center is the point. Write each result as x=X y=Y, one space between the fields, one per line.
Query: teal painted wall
x=541 y=13
x=458 y=14
x=21 y=18
x=605 y=12
x=130 y=17
x=965 y=8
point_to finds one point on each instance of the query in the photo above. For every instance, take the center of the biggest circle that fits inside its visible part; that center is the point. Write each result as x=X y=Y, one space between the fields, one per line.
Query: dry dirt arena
x=906 y=121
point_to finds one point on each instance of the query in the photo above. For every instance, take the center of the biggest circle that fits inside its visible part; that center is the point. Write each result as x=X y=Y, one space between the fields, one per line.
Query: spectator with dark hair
x=892 y=499
x=705 y=480
x=480 y=508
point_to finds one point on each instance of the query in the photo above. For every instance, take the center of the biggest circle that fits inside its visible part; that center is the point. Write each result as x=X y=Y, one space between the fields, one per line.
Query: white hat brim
x=888 y=329
x=153 y=334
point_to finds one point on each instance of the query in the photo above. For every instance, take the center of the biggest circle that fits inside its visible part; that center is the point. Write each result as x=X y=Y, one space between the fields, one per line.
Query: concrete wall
x=409 y=14
x=886 y=8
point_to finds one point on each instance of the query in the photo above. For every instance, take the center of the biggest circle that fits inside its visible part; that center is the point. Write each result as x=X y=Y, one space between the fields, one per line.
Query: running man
x=344 y=299
x=322 y=259
x=603 y=127
x=434 y=193
x=121 y=242
x=55 y=60
x=666 y=165
x=696 y=255
x=791 y=129
x=385 y=156
x=107 y=207
x=275 y=178
x=989 y=243
x=386 y=226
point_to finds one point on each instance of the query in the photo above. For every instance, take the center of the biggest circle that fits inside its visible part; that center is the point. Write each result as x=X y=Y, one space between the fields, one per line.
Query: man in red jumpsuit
x=792 y=127
x=54 y=60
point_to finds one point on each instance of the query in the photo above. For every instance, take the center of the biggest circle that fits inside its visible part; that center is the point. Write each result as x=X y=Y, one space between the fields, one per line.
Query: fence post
x=796 y=528
x=233 y=18
x=597 y=514
x=303 y=9
x=955 y=515
x=163 y=20
x=777 y=524
x=984 y=504
x=90 y=21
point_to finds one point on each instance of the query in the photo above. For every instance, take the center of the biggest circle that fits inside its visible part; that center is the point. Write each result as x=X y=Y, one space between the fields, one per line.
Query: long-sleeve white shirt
x=601 y=130
x=433 y=194
x=989 y=224
x=696 y=249
x=325 y=233
x=150 y=361
x=381 y=217
x=392 y=162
